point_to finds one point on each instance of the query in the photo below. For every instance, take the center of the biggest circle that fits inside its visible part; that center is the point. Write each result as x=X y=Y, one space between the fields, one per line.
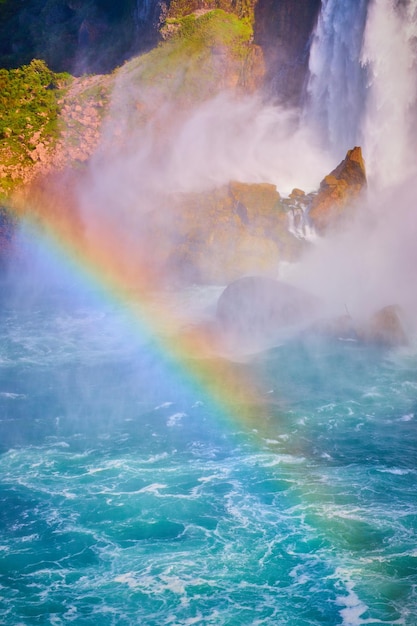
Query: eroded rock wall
x=283 y=29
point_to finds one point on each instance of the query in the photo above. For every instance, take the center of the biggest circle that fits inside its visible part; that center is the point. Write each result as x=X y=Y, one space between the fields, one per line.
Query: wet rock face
x=338 y=192
x=283 y=29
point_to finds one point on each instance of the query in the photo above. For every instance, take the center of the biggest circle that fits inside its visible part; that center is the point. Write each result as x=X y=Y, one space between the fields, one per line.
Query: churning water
x=127 y=499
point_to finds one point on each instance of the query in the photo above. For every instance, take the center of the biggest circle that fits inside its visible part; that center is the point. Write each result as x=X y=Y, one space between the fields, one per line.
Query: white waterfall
x=337 y=81
x=389 y=124
x=362 y=87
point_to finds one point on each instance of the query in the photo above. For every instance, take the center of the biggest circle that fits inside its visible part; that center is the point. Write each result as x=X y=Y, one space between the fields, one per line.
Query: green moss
x=193 y=62
x=241 y=8
x=28 y=112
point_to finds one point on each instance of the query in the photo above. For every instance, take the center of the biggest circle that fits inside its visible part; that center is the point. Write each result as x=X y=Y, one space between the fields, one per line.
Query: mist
x=151 y=151
x=371 y=264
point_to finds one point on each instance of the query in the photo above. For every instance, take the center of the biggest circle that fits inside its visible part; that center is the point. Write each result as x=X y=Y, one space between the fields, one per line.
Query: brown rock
x=220 y=235
x=296 y=194
x=338 y=192
x=284 y=31
x=384 y=328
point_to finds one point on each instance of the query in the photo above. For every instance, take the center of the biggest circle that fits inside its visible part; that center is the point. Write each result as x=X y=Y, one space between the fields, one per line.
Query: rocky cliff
x=283 y=30
x=81 y=36
x=53 y=125
x=78 y=35
x=51 y=121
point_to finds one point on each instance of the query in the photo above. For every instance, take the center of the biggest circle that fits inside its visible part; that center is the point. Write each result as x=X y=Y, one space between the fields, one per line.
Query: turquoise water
x=126 y=498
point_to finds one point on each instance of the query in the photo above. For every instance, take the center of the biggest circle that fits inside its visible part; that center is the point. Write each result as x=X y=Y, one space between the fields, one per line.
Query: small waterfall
x=337 y=81
x=362 y=88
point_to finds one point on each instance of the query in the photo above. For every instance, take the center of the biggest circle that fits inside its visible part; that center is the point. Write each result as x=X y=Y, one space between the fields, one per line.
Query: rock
x=297 y=194
x=338 y=192
x=8 y=227
x=284 y=31
x=223 y=234
x=253 y=311
x=384 y=328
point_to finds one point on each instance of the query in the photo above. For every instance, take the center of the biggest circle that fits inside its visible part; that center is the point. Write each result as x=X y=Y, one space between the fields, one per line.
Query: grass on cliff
x=28 y=110
x=202 y=51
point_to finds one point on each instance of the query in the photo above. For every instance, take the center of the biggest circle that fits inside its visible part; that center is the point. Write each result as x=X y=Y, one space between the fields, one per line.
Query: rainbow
x=130 y=282
x=234 y=396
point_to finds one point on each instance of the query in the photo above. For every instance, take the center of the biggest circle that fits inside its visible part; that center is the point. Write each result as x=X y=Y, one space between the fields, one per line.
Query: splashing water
x=390 y=56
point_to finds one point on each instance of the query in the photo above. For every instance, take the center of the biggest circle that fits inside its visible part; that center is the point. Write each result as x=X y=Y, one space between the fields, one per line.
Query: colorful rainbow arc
x=130 y=282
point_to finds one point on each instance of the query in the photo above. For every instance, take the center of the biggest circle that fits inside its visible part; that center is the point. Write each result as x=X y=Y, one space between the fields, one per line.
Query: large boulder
x=338 y=192
x=254 y=311
x=384 y=328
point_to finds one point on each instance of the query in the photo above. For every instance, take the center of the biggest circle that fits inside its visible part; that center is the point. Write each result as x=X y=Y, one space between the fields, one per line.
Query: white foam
x=11 y=396
x=175 y=419
x=395 y=470
x=353 y=607
x=156 y=457
x=164 y=405
x=153 y=488
x=406 y=418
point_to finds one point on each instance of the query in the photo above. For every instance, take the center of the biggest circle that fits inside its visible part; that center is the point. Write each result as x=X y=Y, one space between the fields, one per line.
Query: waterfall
x=337 y=80
x=362 y=85
x=390 y=55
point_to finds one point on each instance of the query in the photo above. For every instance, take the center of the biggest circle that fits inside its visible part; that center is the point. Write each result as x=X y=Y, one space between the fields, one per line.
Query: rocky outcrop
x=385 y=328
x=82 y=106
x=338 y=193
x=220 y=235
x=215 y=53
x=96 y=35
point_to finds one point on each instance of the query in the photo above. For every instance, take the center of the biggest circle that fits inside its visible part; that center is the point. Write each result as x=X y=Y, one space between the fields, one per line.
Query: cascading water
x=389 y=124
x=362 y=88
x=337 y=82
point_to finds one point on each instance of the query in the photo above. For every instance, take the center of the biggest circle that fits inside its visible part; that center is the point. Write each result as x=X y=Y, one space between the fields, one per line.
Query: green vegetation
x=28 y=102
x=204 y=54
x=241 y=8
x=28 y=111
